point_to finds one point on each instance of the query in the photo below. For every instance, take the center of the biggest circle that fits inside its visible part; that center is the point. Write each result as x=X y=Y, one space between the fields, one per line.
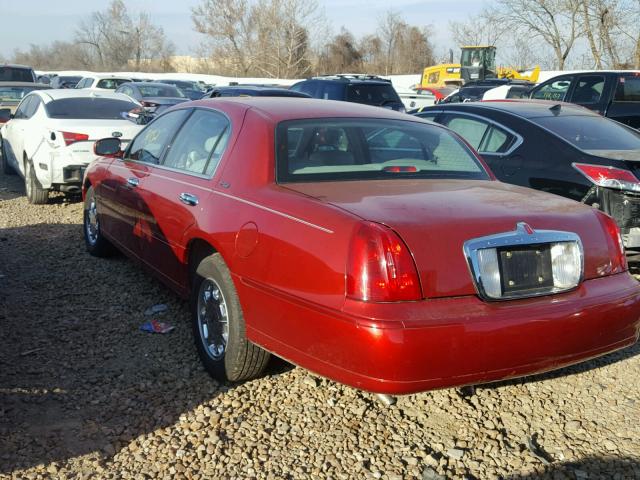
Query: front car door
x=176 y=190
x=123 y=211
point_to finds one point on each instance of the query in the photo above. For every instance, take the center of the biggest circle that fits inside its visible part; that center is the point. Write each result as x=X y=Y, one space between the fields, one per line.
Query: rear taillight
x=614 y=241
x=149 y=104
x=71 y=137
x=380 y=267
x=609 y=177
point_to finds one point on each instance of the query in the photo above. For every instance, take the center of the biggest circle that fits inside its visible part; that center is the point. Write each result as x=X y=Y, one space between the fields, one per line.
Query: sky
x=39 y=22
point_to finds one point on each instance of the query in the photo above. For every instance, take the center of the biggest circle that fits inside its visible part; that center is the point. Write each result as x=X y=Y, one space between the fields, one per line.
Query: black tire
x=240 y=359
x=6 y=168
x=35 y=193
x=97 y=245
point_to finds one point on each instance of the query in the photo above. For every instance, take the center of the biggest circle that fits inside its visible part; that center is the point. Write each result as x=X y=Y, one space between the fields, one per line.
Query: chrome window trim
x=519 y=139
x=522 y=235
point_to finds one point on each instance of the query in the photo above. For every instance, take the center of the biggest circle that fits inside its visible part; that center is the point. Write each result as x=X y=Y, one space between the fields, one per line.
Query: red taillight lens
x=380 y=267
x=149 y=104
x=614 y=240
x=70 y=137
x=609 y=177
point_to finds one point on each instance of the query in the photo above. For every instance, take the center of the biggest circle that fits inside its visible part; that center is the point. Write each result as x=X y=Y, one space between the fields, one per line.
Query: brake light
x=609 y=177
x=614 y=240
x=380 y=267
x=70 y=137
x=149 y=104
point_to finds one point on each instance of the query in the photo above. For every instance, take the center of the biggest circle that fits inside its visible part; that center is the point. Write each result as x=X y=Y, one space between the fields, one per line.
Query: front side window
x=588 y=89
x=149 y=145
x=200 y=143
x=363 y=149
x=555 y=90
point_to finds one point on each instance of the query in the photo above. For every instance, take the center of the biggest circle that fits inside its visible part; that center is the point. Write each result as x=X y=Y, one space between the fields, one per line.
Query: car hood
x=436 y=217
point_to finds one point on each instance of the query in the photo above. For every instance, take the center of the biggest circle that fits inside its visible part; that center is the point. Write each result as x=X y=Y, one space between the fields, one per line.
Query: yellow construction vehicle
x=476 y=63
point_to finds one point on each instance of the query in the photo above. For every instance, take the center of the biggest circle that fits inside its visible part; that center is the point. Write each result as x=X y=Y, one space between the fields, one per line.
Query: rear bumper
x=412 y=347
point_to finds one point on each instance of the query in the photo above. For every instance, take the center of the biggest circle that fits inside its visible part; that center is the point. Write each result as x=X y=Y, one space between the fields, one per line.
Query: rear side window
x=310 y=88
x=628 y=89
x=16 y=74
x=91 y=108
x=485 y=137
x=332 y=91
x=588 y=89
x=200 y=143
x=378 y=95
x=555 y=90
x=363 y=149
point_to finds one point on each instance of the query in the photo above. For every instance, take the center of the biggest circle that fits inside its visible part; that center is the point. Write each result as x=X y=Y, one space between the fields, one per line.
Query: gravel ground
x=85 y=394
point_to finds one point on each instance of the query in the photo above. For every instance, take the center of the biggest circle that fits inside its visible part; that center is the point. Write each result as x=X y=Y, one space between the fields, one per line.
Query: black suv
x=366 y=89
x=613 y=94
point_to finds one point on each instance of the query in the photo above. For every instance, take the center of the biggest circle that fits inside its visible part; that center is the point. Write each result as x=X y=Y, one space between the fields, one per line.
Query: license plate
x=525 y=268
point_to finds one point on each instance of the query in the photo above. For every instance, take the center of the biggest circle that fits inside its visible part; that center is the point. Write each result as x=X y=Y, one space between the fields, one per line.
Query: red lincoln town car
x=368 y=246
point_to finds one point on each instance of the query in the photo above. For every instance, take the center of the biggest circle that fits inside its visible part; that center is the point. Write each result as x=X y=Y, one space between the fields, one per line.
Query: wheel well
x=196 y=251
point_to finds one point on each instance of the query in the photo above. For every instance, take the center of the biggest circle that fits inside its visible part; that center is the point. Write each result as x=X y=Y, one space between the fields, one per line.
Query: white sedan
x=102 y=82
x=49 y=140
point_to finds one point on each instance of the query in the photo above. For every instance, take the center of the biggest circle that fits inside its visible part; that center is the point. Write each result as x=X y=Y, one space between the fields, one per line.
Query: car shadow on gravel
x=621 y=468
x=618 y=356
x=77 y=376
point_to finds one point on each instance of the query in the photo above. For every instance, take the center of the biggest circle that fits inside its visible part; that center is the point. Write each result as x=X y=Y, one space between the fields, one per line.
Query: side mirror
x=108 y=147
x=5 y=115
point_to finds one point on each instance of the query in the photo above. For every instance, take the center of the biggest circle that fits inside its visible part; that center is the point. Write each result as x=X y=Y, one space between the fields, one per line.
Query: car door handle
x=133 y=182
x=188 y=199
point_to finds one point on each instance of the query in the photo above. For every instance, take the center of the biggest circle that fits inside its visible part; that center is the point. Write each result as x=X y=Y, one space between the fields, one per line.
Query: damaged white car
x=49 y=139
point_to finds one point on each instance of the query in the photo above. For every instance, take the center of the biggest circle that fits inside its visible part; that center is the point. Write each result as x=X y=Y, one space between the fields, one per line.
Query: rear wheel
x=4 y=164
x=218 y=325
x=97 y=245
x=35 y=193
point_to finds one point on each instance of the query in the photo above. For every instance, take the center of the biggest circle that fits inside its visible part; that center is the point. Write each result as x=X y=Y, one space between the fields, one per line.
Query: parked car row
x=394 y=253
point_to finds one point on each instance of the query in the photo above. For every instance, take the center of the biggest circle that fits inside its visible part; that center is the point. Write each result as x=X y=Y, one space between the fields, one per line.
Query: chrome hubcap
x=213 y=319
x=91 y=222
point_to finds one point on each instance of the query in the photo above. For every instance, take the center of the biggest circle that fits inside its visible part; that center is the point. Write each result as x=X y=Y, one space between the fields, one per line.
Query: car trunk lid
x=436 y=217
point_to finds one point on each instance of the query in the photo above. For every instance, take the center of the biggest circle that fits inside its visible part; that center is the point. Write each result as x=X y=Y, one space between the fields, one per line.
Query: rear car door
x=125 y=217
x=177 y=190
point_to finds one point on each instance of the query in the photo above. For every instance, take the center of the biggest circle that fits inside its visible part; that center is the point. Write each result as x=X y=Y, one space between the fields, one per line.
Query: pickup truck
x=614 y=94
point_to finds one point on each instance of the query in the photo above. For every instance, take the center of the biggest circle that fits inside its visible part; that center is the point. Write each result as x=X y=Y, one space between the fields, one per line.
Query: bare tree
x=389 y=30
x=341 y=54
x=483 y=29
x=555 y=22
x=114 y=39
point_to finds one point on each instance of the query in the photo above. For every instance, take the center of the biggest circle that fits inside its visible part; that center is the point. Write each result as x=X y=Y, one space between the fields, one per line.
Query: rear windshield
x=15 y=94
x=89 y=108
x=362 y=149
x=590 y=133
x=111 y=83
x=14 y=74
x=378 y=95
x=160 y=91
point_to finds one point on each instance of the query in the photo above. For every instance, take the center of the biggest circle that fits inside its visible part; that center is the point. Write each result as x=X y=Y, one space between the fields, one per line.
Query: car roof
x=62 y=93
x=522 y=108
x=280 y=109
x=149 y=84
x=15 y=65
x=352 y=78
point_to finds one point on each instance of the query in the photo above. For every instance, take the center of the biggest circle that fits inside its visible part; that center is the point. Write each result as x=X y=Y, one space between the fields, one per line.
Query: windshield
x=15 y=94
x=363 y=149
x=378 y=95
x=591 y=133
x=89 y=108
x=16 y=74
x=160 y=91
